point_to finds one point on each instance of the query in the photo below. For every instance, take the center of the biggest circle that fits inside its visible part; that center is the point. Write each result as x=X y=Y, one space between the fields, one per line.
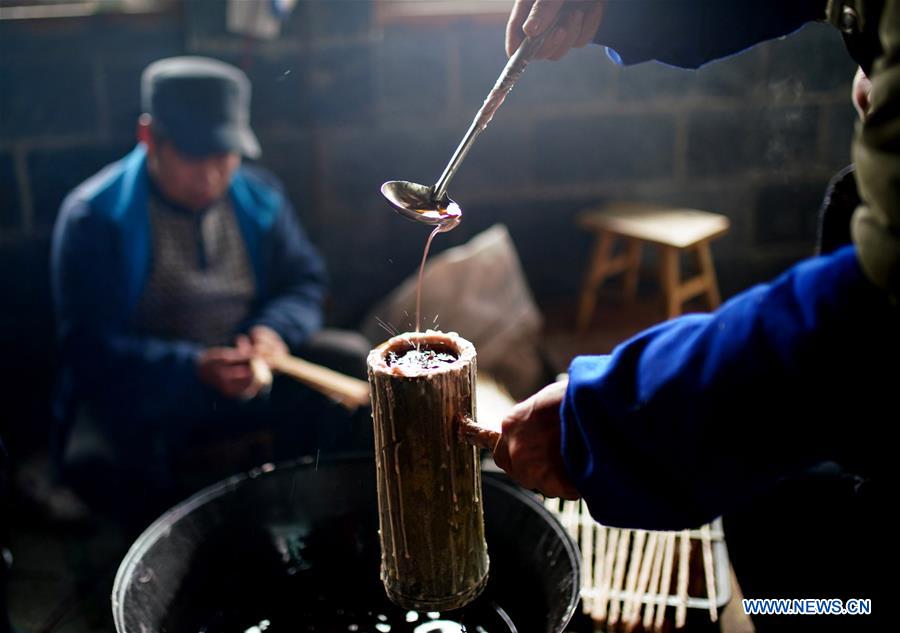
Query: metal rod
x=511 y=73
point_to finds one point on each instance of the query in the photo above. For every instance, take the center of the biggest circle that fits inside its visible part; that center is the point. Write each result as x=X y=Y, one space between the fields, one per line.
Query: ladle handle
x=481 y=436
x=508 y=78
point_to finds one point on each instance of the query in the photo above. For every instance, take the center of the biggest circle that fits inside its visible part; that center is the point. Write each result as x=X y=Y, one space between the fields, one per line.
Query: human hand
x=529 y=446
x=228 y=371
x=267 y=342
x=577 y=26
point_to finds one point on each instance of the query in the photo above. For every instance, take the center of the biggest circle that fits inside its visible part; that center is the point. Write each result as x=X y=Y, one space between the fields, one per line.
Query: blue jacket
x=695 y=414
x=100 y=264
x=688 y=33
x=699 y=413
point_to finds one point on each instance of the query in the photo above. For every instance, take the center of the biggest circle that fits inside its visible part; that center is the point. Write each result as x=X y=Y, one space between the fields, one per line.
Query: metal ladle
x=432 y=205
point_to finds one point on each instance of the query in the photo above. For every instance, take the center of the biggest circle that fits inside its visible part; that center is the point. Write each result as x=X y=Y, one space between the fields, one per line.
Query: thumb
x=501 y=454
x=242 y=344
x=541 y=16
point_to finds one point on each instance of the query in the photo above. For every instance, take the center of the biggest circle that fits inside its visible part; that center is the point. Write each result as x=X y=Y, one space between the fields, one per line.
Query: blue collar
x=123 y=199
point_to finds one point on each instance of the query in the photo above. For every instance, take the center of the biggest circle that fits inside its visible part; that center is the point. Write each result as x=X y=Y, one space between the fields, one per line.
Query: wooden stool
x=673 y=230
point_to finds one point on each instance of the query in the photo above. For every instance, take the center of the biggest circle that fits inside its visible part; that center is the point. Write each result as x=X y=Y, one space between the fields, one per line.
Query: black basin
x=296 y=549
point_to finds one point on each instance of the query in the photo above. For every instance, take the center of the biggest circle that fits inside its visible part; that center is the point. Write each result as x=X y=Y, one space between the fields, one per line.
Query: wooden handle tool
x=347 y=391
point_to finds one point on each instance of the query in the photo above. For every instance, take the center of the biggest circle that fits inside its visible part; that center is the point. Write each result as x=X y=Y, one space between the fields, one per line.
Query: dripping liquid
x=436 y=230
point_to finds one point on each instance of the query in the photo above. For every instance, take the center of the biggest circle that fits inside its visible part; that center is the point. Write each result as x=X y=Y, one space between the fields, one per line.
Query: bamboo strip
x=570 y=518
x=599 y=559
x=634 y=565
x=668 y=564
x=601 y=606
x=709 y=572
x=552 y=504
x=618 y=578
x=586 y=524
x=654 y=581
x=684 y=558
x=633 y=614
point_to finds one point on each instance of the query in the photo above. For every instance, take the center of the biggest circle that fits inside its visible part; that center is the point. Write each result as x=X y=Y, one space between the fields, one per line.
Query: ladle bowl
x=416 y=202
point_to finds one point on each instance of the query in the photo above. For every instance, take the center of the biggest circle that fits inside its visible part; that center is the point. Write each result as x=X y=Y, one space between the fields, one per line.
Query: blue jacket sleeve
x=689 y=33
x=295 y=282
x=691 y=416
x=123 y=376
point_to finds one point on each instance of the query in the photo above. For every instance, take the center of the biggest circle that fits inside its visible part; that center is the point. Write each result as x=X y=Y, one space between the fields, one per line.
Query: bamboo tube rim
x=446 y=342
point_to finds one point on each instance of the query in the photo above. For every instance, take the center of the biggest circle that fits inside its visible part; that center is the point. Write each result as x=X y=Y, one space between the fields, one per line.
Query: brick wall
x=341 y=105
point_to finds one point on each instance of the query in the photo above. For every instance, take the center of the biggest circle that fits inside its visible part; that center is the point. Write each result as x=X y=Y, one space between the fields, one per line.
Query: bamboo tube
x=668 y=564
x=433 y=552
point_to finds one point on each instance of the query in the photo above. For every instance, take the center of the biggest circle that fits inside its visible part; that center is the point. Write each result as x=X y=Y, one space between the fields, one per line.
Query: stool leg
x=708 y=270
x=670 y=279
x=595 y=275
x=633 y=259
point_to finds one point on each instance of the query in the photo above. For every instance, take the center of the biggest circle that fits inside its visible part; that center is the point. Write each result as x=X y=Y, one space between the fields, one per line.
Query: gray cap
x=202 y=105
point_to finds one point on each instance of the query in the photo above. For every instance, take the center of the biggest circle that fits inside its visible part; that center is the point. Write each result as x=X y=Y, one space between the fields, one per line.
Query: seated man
x=173 y=268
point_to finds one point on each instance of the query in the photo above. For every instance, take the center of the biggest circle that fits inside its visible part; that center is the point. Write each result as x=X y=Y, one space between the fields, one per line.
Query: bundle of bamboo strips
x=625 y=572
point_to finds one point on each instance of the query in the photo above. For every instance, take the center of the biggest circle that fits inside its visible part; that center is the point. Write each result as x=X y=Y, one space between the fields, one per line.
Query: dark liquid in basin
x=291 y=580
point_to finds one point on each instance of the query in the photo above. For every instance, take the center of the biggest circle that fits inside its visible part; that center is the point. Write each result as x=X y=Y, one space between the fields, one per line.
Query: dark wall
x=342 y=104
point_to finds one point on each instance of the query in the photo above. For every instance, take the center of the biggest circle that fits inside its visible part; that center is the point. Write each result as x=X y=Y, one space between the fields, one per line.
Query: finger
x=237 y=385
x=541 y=16
x=501 y=454
x=263 y=347
x=217 y=353
x=564 y=488
x=560 y=489
x=552 y=43
x=514 y=33
x=572 y=30
x=230 y=354
x=251 y=391
x=237 y=373
x=263 y=333
x=243 y=345
x=550 y=397
x=268 y=341
x=239 y=355
x=591 y=23
x=226 y=358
